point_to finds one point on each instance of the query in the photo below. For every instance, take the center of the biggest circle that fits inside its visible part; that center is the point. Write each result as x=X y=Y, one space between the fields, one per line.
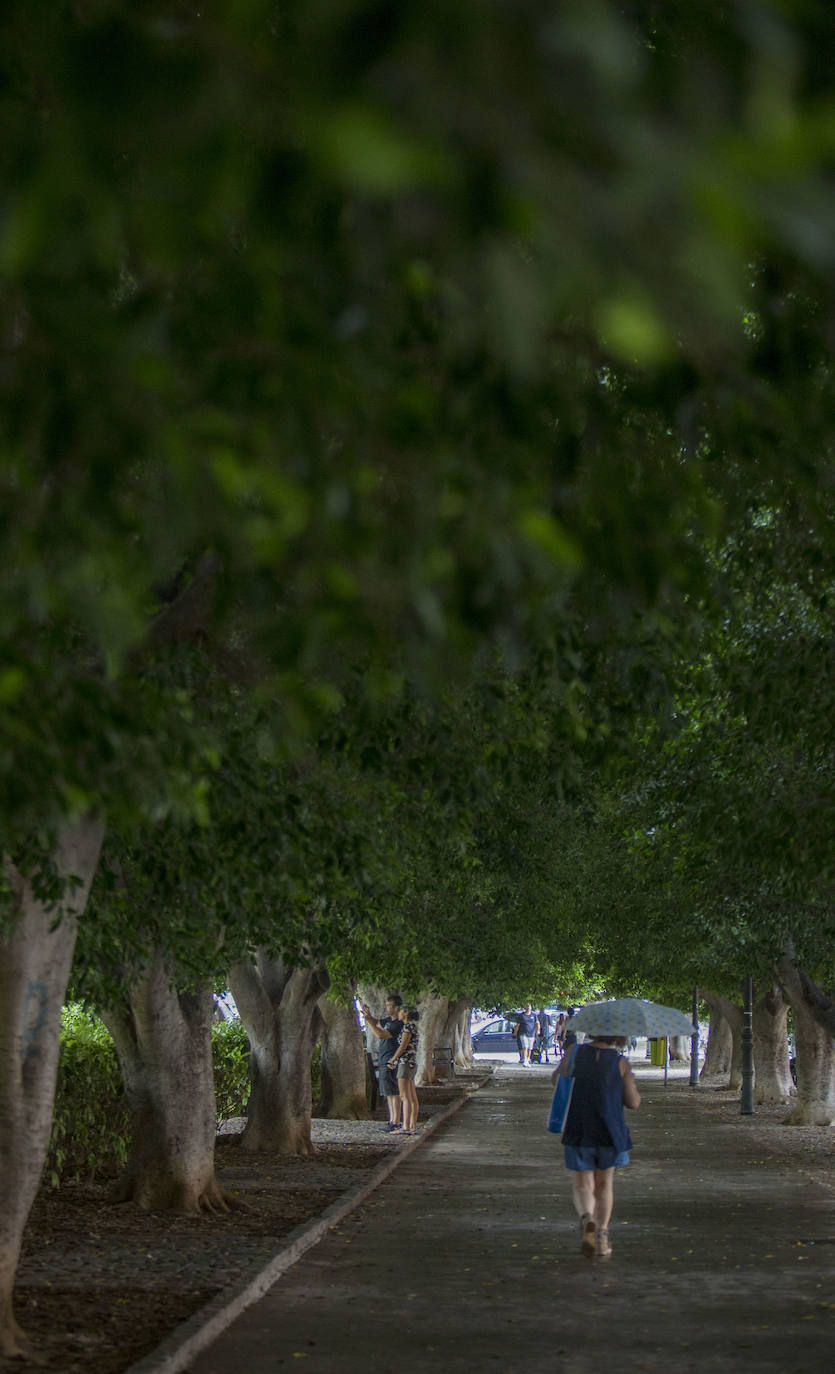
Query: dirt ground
x=101 y=1285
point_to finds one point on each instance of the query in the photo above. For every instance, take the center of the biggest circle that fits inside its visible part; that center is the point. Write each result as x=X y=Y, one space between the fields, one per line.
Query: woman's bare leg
x=604 y=1197
x=403 y=1084
x=582 y=1189
x=406 y=1087
x=582 y=1186
x=415 y=1104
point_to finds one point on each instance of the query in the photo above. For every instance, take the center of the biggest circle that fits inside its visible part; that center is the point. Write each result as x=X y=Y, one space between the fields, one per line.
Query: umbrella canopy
x=629 y=1016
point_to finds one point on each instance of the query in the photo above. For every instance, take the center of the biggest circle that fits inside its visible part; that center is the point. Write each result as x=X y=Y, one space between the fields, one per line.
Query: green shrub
x=90 y=1119
x=230 y=1059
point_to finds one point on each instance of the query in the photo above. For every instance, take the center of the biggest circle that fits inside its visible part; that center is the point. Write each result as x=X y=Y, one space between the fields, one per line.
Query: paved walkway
x=467 y=1258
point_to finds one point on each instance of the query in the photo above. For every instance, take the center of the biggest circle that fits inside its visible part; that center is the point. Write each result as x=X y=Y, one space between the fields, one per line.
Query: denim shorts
x=406 y=1070
x=581 y=1158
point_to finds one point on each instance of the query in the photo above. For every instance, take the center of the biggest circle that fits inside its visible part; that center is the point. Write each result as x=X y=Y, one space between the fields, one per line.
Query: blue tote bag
x=562 y=1098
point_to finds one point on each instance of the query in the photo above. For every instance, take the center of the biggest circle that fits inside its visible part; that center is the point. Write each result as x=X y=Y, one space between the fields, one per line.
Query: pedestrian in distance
x=388 y=1031
x=596 y=1138
x=404 y=1063
x=527 y=1033
x=544 y=1037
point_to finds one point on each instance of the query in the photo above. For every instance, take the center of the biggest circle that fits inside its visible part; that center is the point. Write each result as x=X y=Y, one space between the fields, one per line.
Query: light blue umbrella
x=629 y=1016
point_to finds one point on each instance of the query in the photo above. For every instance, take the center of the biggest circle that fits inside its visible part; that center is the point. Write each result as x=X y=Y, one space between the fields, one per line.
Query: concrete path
x=467 y=1258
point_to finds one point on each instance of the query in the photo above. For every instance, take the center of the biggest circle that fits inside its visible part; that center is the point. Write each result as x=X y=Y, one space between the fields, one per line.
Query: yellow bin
x=658 y=1053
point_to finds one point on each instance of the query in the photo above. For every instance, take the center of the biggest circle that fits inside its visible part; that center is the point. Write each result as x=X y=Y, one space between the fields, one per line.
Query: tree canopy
x=351 y=343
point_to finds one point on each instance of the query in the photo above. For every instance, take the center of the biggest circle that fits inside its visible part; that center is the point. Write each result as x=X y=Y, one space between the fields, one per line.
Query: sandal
x=588 y=1234
x=602 y=1248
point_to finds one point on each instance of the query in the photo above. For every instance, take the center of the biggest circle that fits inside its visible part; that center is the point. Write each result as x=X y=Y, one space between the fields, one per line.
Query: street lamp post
x=694 y=1043
x=747 y=1104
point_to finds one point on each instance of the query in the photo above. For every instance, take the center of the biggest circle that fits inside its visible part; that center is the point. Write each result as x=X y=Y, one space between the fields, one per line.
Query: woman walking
x=404 y=1062
x=596 y=1137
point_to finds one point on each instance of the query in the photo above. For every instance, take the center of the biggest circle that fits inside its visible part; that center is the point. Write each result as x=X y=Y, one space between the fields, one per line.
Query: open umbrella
x=629 y=1016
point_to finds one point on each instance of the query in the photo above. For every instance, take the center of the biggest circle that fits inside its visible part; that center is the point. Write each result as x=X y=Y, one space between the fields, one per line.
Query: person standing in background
x=528 y=1029
x=404 y=1063
x=388 y=1031
x=543 y=1037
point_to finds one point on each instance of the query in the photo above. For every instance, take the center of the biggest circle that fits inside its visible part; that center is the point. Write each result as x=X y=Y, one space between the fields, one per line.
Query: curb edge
x=198 y=1331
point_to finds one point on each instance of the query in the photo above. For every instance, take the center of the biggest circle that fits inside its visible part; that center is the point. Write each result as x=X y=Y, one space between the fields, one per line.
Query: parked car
x=495 y=1036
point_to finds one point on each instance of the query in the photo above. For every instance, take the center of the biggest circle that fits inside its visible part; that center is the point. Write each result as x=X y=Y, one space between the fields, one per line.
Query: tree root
x=216 y=1200
x=808 y=1116
x=177 y=1199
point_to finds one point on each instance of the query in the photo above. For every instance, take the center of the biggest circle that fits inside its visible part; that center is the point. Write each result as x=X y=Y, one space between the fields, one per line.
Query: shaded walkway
x=467 y=1258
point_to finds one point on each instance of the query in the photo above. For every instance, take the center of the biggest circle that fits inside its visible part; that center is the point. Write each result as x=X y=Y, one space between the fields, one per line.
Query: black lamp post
x=747 y=1104
x=694 y=1043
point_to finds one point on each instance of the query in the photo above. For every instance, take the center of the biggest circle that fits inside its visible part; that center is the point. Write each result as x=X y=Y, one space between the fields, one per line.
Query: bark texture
x=163 y=1040
x=278 y=1006
x=451 y=1033
x=772 y=1081
x=720 y=1042
x=815 y=1062
x=433 y=1016
x=463 y=1040
x=679 y=1049
x=35 y=962
x=343 y=1063
x=733 y=1015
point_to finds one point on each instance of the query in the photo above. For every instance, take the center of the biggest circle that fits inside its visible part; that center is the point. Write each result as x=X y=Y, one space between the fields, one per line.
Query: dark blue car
x=495 y=1037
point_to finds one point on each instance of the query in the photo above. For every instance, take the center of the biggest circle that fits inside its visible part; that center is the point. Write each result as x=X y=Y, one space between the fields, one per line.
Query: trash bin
x=658 y=1053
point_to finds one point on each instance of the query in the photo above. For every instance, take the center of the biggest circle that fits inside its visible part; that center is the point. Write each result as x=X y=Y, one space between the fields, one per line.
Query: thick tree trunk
x=720 y=1042
x=451 y=1032
x=35 y=960
x=734 y=1017
x=163 y=1041
x=343 y=1063
x=463 y=1046
x=772 y=1080
x=679 y=1050
x=278 y=1008
x=433 y=1015
x=815 y=1062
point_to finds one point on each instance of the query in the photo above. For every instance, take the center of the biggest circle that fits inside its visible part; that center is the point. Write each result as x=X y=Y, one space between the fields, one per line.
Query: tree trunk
x=433 y=1015
x=463 y=1044
x=734 y=1017
x=163 y=1041
x=278 y=1008
x=450 y=1032
x=720 y=1041
x=679 y=1050
x=35 y=960
x=773 y=1081
x=343 y=1063
x=814 y=1063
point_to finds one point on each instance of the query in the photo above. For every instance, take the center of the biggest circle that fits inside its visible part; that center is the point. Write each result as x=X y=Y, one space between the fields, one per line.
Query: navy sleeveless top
x=595 y=1116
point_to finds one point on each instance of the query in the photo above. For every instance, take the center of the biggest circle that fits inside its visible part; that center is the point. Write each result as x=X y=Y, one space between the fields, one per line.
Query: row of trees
x=383 y=395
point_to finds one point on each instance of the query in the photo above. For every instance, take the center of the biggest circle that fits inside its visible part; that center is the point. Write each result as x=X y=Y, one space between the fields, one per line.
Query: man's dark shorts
x=388 y=1082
